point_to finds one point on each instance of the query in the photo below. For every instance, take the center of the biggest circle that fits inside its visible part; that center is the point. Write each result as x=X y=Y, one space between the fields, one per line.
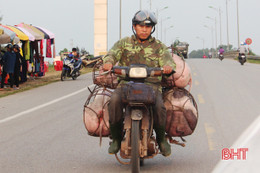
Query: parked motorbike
x=221 y=56
x=68 y=69
x=242 y=58
x=138 y=142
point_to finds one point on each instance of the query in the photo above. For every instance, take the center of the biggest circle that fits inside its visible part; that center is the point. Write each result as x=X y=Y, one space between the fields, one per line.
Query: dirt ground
x=32 y=82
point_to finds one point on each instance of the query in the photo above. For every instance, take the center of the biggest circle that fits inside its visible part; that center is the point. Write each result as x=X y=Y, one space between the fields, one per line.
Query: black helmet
x=144 y=17
x=10 y=46
x=16 y=46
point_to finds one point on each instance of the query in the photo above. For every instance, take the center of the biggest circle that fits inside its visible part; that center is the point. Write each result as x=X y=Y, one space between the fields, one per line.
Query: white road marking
x=43 y=105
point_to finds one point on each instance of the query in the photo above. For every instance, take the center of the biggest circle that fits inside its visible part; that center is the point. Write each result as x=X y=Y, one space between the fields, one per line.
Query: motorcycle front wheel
x=135 y=137
x=63 y=75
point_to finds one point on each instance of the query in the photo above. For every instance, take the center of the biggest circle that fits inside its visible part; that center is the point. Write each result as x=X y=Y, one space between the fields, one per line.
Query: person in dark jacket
x=17 y=67
x=9 y=59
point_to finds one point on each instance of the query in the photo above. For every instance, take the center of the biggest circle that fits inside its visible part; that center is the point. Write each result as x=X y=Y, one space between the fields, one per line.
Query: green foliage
x=251 y=52
x=62 y=51
x=225 y=47
x=199 y=53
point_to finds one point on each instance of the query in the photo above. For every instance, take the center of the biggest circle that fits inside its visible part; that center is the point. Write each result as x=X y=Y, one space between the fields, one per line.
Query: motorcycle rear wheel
x=135 y=137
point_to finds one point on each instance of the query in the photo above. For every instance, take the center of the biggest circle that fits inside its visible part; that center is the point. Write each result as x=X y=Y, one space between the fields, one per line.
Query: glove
x=167 y=69
x=107 y=67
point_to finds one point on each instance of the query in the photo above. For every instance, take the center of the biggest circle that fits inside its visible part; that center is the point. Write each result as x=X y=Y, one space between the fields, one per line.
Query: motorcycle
x=138 y=142
x=68 y=69
x=242 y=58
x=221 y=56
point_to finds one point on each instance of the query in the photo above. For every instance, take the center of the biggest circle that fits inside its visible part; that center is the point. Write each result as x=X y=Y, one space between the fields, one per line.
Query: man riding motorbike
x=77 y=60
x=140 y=48
x=221 y=50
x=242 y=53
x=242 y=49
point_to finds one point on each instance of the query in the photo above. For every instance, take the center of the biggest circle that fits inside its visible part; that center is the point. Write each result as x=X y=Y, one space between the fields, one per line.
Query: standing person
x=9 y=59
x=17 y=67
x=140 y=48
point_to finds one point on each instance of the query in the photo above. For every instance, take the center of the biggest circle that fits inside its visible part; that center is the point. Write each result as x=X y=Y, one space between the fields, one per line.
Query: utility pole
x=120 y=20
x=227 y=25
x=238 y=39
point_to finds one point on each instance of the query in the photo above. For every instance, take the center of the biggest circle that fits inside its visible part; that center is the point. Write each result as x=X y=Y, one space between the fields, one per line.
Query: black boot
x=164 y=146
x=116 y=132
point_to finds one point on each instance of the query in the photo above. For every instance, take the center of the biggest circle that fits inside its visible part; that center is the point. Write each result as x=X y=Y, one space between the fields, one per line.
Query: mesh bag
x=181 y=78
x=108 y=81
x=182 y=112
x=95 y=113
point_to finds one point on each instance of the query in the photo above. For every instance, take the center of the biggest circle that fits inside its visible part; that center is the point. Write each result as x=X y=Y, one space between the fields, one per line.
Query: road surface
x=42 y=130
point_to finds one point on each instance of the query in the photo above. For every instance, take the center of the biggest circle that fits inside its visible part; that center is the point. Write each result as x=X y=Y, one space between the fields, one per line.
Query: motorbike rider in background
x=77 y=60
x=221 y=50
x=242 y=49
x=140 y=48
x=210 y=54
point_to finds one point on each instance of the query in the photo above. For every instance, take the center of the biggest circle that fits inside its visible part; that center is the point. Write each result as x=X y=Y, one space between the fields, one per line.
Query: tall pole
x=120 y=20
x=238 y=39
x=220 y=30
x=165 y=30
x=216 y=33
x=157 y=16
x=202 y=43
x=156 y=26
x=219 y=11
x=162 y=27
x=212 y=35
x=227 y=25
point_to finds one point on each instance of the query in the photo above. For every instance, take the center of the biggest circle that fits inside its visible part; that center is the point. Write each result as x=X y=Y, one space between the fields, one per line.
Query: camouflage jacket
x=129 y=51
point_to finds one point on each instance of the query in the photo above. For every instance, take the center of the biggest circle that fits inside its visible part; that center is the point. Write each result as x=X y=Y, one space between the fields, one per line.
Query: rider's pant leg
x=115 y=107
x=159 y=111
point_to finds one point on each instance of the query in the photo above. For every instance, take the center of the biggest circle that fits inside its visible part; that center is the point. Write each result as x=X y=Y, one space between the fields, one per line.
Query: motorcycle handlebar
x=152 y=71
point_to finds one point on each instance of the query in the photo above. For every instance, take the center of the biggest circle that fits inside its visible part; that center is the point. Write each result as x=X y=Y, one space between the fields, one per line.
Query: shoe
x=116 y=132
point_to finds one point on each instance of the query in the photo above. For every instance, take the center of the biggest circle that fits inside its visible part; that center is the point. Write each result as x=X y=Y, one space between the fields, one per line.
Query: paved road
x=41 y=130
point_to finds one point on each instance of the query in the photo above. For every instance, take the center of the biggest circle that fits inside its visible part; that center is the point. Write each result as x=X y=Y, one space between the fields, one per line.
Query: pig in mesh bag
x=182 y=112
x=95 y=113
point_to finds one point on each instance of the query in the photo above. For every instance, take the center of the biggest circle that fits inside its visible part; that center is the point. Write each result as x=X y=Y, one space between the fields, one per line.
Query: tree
x=62 y=51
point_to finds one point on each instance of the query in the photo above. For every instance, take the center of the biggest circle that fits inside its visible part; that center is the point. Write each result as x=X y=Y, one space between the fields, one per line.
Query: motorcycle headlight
x=137 y=72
